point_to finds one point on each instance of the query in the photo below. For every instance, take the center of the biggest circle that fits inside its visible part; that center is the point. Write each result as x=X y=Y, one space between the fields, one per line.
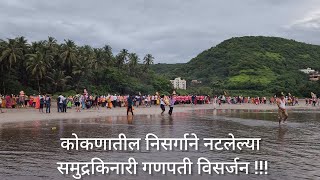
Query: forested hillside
x=252 y=66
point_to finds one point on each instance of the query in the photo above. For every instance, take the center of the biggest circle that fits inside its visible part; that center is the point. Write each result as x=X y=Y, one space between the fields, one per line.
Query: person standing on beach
x=282 y=112
x=95 y=102
x=162 y=104
x=172 y=101
x=130 y=104
x=48 y=103
x=60 y=103
x=114 y=100
x=41 y=100
x=76 y=100
x=64 y=105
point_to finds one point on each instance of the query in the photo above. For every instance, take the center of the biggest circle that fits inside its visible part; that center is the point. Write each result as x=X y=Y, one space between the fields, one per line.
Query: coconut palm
x=122 y=58
x=133 y=63
x=97 y=60
x=11 y=53
x=148 y=60
x=68 y=55
x=21 y=70
x=38 y=66
x=58 y=79
x=107 y=55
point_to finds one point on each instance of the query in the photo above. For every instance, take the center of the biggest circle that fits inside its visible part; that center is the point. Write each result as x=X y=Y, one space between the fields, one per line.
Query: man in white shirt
x=115 y=100
x=61 y=98
x=282 y=112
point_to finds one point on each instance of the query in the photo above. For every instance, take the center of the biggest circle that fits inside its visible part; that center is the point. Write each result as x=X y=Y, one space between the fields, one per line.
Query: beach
x=30 y=114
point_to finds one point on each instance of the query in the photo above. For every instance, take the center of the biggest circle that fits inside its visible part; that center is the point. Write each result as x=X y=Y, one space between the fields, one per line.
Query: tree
x=133 y=63
x=68 y=55
x=58 y=79
x=148 y=60
x=107 y=55
x=11 y=53
x=122 y=58
x=50 y=66
x=38 y=65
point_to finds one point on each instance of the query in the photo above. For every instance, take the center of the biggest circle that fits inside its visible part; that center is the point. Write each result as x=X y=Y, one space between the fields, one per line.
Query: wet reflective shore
x=30 y=150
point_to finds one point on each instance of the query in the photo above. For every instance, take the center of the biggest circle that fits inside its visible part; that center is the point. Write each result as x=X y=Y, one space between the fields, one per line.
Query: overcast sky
x=171 y=30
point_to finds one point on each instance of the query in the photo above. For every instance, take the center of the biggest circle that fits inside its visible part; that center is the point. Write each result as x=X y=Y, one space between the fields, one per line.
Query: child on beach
x=76 y=100
x=162 y=104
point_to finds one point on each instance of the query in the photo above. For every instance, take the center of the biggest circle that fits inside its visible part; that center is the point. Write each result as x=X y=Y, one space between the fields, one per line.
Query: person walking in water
x=172 y=101
x=162 y=104
x=130 y=104
x=282 y=112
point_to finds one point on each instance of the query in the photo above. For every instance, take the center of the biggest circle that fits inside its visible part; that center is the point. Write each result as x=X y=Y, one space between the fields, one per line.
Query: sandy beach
x=30 y=114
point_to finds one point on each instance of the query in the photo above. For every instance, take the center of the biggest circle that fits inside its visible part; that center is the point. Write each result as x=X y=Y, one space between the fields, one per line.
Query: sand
x=30 y=114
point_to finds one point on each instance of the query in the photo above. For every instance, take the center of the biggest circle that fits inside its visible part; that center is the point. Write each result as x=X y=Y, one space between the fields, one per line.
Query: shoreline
x=31 y=114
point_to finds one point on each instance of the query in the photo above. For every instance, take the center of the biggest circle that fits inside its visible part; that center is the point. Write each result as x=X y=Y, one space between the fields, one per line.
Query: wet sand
x=30 y=114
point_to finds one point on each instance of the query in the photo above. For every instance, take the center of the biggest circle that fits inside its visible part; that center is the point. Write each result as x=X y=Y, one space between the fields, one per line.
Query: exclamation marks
x=261 y=167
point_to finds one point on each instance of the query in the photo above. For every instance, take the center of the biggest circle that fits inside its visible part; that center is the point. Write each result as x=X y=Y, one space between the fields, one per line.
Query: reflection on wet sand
x=281 y=133
x=31 y=149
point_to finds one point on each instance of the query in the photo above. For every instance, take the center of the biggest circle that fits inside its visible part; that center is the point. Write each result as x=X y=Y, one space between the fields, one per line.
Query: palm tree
x=148 y=60
x=20 y=68
x=122 y=58
x=11 y=53
x=51 y=45
x=97 y=60
x=107 y=54
x=58 y=79
x=38 y=65
x=22 y=42
x=133 y=63
x=68 y=54
x=81 y=71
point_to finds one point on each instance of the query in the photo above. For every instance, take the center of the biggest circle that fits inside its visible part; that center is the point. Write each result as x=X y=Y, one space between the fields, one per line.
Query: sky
x=173 y=31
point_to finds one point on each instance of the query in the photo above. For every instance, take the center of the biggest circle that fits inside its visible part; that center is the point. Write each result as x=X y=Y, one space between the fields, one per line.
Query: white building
x=179 y=83
x=308 y=70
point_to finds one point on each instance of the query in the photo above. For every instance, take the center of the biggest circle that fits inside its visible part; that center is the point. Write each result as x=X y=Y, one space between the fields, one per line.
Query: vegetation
x=49 y=67
x=250 y=66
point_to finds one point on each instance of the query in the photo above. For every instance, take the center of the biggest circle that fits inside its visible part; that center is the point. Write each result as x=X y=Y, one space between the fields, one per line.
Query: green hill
x=252 y=66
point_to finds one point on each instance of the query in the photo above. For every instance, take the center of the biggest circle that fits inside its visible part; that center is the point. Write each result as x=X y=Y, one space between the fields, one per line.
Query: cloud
x=171 y=30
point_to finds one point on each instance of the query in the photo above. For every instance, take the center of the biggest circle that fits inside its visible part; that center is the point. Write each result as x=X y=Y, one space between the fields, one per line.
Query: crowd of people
x=85 y=100
x=289 y=99
x=313 y=100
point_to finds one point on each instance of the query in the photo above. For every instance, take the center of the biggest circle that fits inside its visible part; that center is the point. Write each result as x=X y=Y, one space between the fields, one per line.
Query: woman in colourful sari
x=37 y=99
x=8 y=102
x=109 y=102
x=31 y=101
x=69 y=102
